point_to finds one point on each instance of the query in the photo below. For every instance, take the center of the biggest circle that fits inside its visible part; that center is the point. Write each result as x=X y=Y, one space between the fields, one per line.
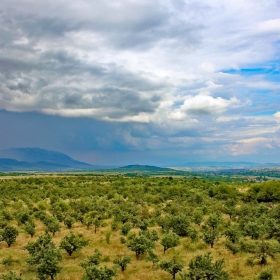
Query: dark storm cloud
x=45 y=76
x=139 y=75
x=62 y=81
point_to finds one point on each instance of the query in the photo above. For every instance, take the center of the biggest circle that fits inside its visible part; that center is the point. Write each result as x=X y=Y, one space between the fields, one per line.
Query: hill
x=35 y=159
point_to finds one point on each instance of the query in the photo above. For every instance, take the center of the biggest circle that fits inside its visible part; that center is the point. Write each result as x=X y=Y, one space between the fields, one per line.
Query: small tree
x=122 y=261
x=232 y=233
x=11 y=276
x=22 y=217
x=210 y=235
x=266 y=274
x=92 y=260
x=98 y=273
x=198 y=217
x=45 y=256
x=29 y=228
x=96 y=223
x=152 y=257
x=140 y=245
x=93 y=271
x=169 y=240
x=172 y=267
x=71 y=243
x=48 y=266
x=261 y=249
x=254 y=229
x=9 y=235
x=232 y=247
x=69 y=221
x=202 y=267
x=52 y=225
x=126 y=227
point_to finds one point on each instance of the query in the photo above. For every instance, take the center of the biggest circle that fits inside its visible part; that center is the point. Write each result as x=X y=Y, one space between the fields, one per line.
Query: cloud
x=202 y=104
x=167 y=75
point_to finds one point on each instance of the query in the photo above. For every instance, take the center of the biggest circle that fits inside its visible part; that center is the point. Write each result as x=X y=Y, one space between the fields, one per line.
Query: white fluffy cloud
x=203 y=104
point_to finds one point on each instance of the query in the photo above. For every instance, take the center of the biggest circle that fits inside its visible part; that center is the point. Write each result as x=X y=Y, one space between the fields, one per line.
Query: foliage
x=98 y=273
x=9 y=235
x=200 y=208
x=11 y=276
x=52 y=225
x=45 y=256
x=152 y=257
x=122 y=261
x=29 y=228
x=203 y=267
x=172 y=267
x=210 y=235
x=140 y=244
x=261 y=249
x=92 y=260
x=169 y=240
x=266 y=274
x=9 y=261
x=232 y=233
x=93 y=271
x=71 y=242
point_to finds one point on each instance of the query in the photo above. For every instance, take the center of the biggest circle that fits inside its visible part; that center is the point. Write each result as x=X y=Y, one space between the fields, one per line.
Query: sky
x=161 y=82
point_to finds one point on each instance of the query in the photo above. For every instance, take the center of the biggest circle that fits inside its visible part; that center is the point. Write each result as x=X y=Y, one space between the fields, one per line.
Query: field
x=236 y=221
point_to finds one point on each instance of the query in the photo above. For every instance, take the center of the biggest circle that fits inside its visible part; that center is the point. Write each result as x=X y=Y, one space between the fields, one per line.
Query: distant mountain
x=35 y=159
x=7 y=164
x=138 y=167
x=216 y=165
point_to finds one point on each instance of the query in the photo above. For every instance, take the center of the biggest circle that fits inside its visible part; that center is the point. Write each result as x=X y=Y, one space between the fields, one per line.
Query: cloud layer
x=166 y=75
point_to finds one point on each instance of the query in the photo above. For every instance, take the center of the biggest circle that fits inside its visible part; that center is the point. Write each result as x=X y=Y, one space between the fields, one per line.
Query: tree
x=232 y=234
x=210 y=235
x=266 y=274
x=95 y=272
x=202 y=267
x=92 y=260
x=71 y=243
x=254 y=229
x=45 y=256
x=9 y=235
x=179 y=224
x=48 y=265
x=140 y=244
x=152 y=257
x=52 y=225
x=96 y=223
x=261 y=249
x=29 y=228
x=122 y=261
x=169 y=240
x=172 y=267
x=213 y=220
x=126 y=227
x=69 y=221
x=11 y=276
x=198 y=217
x=22 y=217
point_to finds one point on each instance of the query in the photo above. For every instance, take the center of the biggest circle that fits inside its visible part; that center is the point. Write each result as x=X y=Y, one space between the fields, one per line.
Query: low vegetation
x=68 y=227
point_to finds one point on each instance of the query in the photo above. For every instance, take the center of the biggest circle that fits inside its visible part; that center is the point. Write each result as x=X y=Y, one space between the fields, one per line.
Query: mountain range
x=35 y=159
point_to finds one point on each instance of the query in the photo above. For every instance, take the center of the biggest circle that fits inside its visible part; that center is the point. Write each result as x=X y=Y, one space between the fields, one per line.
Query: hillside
x=35 y=159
